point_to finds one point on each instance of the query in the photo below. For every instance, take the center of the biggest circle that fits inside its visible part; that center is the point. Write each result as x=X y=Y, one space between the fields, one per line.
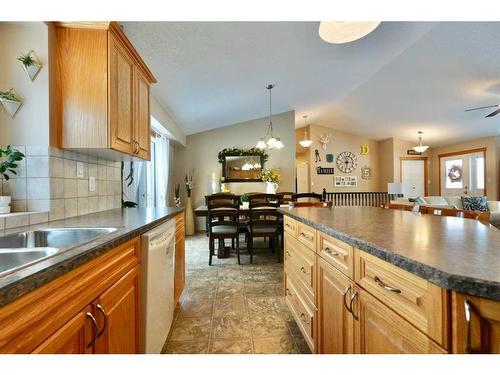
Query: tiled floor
x=231 y=308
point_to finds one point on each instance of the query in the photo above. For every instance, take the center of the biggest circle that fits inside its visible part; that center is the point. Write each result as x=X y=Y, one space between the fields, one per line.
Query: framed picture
x=345 y=181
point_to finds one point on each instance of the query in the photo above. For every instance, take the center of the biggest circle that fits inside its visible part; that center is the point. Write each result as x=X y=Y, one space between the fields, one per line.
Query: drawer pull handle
x=350 y=305
x=304 y=270
x=345 y=294
x=304 y=235
x=103 y=312
x=331 y=252
x=385 y=286
x=94 y=323
x=468 y=316
x=288 y=225
x=288 y=253
x=303 y=318
x=288 y=292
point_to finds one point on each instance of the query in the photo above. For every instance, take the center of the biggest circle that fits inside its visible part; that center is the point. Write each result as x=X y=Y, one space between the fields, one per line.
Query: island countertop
x=457 y=254
x=130 y=222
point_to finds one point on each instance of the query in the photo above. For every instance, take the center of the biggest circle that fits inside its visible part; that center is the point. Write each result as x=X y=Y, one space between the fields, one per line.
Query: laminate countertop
x=457 y=254
x=130 y=222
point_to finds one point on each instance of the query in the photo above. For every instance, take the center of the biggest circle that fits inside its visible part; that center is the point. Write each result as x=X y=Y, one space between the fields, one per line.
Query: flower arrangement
x=177 y=195
x=270 y=175
x=242 y=151
x=9 y=164
x=188 y=181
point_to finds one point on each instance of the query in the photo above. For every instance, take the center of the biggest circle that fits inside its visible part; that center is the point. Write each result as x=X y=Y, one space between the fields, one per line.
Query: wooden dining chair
x=286 y=196
x=401 y=207
x=264 y=221
x=308 y=196
x=227 y=197
x=223 y=216
x=311 y=204
x=483 y=217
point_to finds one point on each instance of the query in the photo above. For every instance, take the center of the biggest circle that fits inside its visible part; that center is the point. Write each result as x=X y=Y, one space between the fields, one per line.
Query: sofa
x=455 y=202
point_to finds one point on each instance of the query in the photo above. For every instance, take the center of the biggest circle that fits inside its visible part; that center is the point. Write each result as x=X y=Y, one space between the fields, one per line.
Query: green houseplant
x=245 y=200
x=11 y=101
x=9 y=158
x=30 y=64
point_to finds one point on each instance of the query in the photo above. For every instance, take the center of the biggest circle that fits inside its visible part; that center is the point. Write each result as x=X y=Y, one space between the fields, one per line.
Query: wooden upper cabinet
x=117 y=315
x=476 y=324
x=103 y=90
x=75 y=337
x=335 y=321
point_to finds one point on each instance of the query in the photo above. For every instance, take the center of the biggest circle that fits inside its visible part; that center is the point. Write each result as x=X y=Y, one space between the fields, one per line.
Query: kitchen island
x=395 y=281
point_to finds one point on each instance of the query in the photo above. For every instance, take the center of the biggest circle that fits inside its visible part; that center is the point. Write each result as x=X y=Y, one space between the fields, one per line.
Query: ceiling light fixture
x=306 y=142
x=270 y=141
x=420 y=147
x=344 y=32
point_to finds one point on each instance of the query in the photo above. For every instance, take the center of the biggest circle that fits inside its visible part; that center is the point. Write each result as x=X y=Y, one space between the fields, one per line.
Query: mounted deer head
x=325 y=139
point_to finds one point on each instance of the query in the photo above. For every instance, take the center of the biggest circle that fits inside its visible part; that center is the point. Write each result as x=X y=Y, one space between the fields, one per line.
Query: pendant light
x=420 y=147
x=270 y=141
x=306 y=142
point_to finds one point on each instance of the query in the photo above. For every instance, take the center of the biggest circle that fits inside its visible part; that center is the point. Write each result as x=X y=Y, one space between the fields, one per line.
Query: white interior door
x=463 y=175
x=413 y=178
x=303 y=178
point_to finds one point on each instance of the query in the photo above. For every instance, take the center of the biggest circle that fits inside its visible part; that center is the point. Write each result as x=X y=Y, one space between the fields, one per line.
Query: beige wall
x=165 y=119
x=340 y=142
x=30 y=126
x=492 y=163
x=200 y=155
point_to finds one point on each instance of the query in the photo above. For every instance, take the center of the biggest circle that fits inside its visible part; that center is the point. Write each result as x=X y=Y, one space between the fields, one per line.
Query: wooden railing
x=361 y=198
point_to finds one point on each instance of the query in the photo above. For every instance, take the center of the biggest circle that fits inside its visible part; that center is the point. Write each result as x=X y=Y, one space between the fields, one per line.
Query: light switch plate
x=79 y=169
x=91 y=183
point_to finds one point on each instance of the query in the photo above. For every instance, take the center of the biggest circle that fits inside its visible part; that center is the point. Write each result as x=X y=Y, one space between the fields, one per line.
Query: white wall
x=30 y=126
x=176 y=135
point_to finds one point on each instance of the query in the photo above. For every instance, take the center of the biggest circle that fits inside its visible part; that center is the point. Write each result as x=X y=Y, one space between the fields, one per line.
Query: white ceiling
x=403 y=77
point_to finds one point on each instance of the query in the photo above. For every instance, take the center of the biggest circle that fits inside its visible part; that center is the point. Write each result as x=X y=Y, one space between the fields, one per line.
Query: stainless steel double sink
x=18 y=250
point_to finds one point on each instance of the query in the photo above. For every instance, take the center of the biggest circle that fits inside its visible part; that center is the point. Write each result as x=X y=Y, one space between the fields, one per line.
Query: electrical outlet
x=91 y=183
x=79 y=169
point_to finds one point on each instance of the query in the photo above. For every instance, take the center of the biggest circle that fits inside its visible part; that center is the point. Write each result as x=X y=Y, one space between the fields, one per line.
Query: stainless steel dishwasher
x=157 y=289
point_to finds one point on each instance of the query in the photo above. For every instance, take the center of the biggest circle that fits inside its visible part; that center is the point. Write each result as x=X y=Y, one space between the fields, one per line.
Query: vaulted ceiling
x=403 y=77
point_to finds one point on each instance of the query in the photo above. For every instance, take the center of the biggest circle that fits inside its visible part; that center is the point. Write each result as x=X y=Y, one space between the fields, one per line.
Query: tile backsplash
x=47 y=180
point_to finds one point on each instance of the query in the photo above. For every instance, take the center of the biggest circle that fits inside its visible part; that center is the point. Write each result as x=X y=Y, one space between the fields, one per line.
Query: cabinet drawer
x=301 y=310
x=301 y=262
x=339 y=254
x=290 y=225
x=306 y=235
x=420 y=302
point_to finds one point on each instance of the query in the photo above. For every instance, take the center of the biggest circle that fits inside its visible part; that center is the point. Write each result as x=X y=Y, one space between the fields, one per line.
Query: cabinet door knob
x=103 y=312
x=468 y=318
x=304 y=270
x=94 y=323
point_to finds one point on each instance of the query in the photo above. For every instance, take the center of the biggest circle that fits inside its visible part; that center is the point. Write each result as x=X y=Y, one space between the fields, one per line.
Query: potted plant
x=10 y=101
x=245 y=201
x=9 y=158
x=271 y=177
x=177 y=195
x=30 y=64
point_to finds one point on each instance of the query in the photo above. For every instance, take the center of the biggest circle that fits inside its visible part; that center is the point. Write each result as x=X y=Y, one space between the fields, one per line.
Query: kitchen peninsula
x=371 y=280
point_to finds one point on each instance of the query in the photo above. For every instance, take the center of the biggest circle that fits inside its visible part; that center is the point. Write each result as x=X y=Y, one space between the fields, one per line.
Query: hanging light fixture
x=420 y=147
x=344 y=32
x=306 y=142
x=270 y=141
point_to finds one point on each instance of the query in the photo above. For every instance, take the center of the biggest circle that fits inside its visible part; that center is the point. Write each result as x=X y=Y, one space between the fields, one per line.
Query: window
x=480 y=173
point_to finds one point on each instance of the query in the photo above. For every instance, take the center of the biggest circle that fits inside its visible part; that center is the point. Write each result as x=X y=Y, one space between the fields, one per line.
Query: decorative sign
x=366 y=173
x=413 y=152
x=329 y=158
x=364 y=150
x=325 y=139
x=346 y=181
x=321 y=170
x=316 y=155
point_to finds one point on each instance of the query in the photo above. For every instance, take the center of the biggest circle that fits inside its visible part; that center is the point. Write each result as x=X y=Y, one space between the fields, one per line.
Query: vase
x=189 y=217
x=271 y=187
x=11 y=106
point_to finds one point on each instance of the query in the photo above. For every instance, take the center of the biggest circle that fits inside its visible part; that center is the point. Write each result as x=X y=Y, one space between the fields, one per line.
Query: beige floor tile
x=231 y=346
x=226 y=305
x=268 y=326
x=263 y=289
x=301 y=344
x=186 y=329
x=231 y=327
x=197 y=308
x=186 y=347
x=275 y=345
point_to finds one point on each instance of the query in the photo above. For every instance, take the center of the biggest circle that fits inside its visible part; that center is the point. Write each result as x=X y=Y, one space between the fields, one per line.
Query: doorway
x=414 y=176
x=463 y=173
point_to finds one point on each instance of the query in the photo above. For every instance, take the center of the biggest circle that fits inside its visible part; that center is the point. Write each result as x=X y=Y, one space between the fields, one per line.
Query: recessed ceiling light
x=344 y=32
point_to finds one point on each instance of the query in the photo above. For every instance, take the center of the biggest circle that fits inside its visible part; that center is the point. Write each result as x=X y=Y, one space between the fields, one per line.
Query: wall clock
x=346 y=162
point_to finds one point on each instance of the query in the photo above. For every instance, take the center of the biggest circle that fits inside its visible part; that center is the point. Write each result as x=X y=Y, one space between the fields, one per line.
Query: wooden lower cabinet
x=180 y=258
x=379 y=330
x=117 y=312
x=476 y=324
x=75 y=337
x=335 y=322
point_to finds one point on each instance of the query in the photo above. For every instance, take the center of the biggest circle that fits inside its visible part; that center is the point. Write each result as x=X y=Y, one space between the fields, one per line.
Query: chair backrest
x=262 y=201
x=220 y=197
x=311 y=204
x=483 y=217
x=223 y=211
x=309 y=196
x=286 y=196
x=401 y=207
x=260 y=217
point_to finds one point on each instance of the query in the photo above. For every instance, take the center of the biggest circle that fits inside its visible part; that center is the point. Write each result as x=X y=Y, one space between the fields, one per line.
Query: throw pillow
x=475 y=203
